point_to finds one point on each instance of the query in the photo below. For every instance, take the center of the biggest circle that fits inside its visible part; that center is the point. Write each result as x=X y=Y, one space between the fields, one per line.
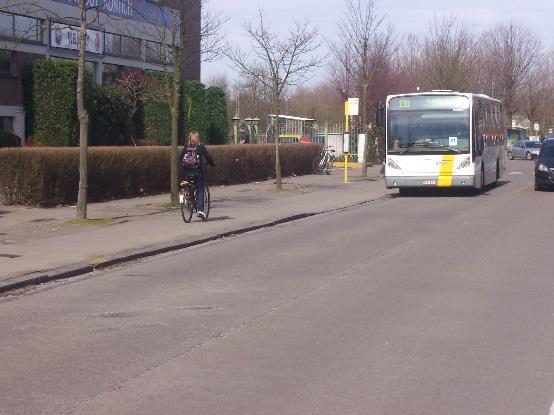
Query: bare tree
x=409 y=64
x=509 y=51
x=364 y=47
x=212 y=37
x=448 y=53
x=537 y=92
x=220 y=81
x=278 y=63
x=82 y=114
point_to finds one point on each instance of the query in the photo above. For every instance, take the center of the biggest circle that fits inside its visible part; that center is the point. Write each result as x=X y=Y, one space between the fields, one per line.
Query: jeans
x=200 y=193
x=198 y=179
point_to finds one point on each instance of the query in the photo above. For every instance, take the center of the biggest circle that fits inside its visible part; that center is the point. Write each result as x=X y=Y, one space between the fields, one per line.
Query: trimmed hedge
x=218 y=124
x=50 y=176
x=55 y=98
x=110 y=120
x=194 y=108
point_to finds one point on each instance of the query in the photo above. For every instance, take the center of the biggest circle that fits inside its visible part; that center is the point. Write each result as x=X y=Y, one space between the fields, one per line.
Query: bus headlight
x=393 y=165
x=465 y=163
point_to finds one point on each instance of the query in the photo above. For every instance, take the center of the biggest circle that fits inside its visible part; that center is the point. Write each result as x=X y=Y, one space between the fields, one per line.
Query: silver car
x=525 y=150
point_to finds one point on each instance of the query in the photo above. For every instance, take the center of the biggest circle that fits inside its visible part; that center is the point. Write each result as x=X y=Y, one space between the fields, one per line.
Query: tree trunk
x=278 y=177
x=83 y=116
x=366 y=146
x=175 y=107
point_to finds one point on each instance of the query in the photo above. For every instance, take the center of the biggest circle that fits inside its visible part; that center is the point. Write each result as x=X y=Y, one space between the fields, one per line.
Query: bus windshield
x=429 y=124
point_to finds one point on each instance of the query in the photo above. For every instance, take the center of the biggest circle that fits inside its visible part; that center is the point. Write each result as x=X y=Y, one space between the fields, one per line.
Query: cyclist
x=192 y=159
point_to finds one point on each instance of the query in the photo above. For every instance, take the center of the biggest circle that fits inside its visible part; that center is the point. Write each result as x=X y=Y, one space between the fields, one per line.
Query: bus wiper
x=409 y=147
x=452 y=150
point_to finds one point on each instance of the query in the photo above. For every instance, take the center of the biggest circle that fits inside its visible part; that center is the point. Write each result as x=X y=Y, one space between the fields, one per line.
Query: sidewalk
x=45 y=241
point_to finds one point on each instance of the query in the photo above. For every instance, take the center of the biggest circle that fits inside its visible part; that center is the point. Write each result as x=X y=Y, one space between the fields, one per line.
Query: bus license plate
x=429 y=182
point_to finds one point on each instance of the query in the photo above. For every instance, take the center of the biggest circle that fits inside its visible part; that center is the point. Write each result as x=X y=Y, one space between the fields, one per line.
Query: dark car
x=544 y=170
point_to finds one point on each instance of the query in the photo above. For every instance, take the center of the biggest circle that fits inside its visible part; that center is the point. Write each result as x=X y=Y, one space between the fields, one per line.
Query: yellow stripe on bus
x=447 y=167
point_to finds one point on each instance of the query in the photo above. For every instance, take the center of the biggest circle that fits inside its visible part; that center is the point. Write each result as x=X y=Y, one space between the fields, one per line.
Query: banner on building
x=67 y=37
x=146 y=11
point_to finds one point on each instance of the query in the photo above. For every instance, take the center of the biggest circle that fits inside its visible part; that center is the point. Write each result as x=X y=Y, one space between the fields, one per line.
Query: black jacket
x=203 y=154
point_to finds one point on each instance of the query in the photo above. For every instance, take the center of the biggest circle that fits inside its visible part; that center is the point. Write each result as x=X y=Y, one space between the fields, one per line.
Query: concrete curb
x=76 y=270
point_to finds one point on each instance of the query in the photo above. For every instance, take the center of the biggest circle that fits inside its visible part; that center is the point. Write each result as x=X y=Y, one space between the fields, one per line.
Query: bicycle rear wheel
x=318 y=165
x=187 y=205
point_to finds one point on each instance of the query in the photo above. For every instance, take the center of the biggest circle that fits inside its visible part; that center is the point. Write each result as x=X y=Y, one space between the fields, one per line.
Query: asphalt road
x=438 y=304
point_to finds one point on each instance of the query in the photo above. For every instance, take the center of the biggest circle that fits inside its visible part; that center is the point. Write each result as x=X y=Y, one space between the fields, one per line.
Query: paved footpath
x=37 y=242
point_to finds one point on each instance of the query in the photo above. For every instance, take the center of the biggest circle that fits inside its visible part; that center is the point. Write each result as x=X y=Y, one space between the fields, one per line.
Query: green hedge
x=110 y=119
x=194 y=108
x=53 y=86
x=50 y=176
x=218 y=124
x=157 y=122
x=54 y=95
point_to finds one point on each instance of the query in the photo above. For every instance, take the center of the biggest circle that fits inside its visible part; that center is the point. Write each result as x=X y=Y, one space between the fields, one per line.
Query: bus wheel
x=510 y=155
x=482 y=178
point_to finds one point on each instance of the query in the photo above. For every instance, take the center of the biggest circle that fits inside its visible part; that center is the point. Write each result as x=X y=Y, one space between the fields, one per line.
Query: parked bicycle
x=187 y=200
x=323 y=163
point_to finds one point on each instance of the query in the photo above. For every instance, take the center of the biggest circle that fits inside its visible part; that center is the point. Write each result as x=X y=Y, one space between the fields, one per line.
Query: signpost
x=351 y=108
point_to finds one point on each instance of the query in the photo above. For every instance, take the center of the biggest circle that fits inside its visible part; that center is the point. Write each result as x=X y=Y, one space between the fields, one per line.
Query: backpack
x=191 y=159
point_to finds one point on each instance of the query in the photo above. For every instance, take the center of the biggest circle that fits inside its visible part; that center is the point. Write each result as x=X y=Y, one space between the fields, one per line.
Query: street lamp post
x=249 y=122
x=236 y=129
x=255 y=126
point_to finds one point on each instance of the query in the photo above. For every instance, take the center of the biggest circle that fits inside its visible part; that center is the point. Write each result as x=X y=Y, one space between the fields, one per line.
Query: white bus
x=444 y=139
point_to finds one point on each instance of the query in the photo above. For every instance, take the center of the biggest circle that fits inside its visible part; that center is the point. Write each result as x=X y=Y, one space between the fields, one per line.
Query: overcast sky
x=407 y=16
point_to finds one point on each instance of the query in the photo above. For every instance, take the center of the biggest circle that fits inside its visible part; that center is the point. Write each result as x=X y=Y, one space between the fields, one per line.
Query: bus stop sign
x=353 y=106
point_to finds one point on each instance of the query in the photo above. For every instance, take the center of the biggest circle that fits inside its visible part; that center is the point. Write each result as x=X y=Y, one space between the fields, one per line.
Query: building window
x=6 y=124
x=6 y=24
x=158 y=53
x=6 y=67
x=20 y=27
x=113 y=44
x=110 y=73
x=130 y=47
x=27 y=28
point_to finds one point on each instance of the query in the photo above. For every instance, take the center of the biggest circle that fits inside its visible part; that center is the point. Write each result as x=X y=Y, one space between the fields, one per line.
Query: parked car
x=525 y=150
x=544 y=170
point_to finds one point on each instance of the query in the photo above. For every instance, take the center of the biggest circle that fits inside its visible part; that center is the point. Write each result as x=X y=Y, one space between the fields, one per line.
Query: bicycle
x=323 y=163
x=187 y=200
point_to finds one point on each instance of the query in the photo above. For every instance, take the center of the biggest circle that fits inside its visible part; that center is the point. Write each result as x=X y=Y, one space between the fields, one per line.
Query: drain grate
x=11 y=256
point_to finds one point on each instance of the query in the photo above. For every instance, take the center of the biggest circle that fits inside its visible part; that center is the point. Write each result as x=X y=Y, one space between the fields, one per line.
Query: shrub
x=157 y=122
x=9 y=140
x=111 y=119
x=50 y=176
x=54 y=94
x=155 y=109
x=194 y=109
x=218 y=127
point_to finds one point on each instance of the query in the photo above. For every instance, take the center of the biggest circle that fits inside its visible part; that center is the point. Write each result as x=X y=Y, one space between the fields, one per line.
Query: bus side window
x=477 y=134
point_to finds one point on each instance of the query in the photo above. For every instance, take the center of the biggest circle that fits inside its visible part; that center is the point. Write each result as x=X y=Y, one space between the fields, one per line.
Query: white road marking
x=552 y=409
x=513 y=173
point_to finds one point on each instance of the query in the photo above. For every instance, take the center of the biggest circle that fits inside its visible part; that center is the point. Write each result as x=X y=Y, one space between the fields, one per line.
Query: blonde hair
x=194 y=137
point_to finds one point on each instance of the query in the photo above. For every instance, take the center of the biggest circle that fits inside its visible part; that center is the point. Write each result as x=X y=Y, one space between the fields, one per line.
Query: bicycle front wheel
x=187 y=206
x=207 y=202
